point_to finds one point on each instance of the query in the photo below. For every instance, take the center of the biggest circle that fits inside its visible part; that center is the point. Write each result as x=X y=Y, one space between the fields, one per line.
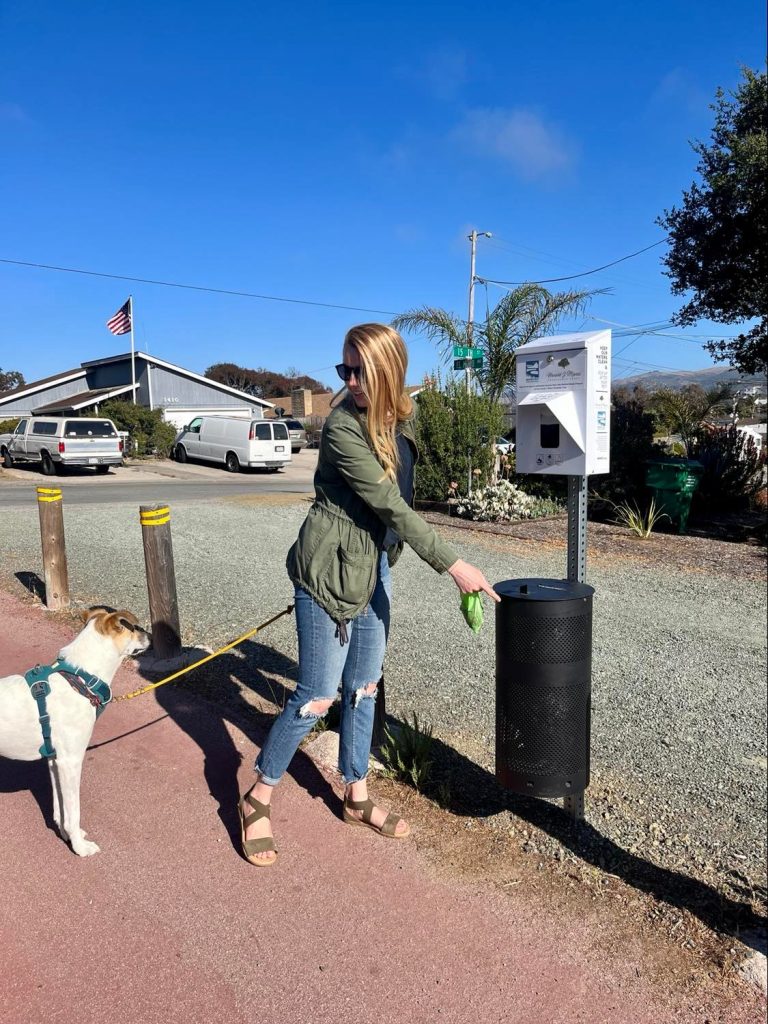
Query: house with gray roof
x=156 y=383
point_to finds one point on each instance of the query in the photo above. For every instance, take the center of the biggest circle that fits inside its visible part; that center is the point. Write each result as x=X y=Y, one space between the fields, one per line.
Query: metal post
x=473 y=252
x=49 y=504
x=573 y=804
x=577 y=529
x=133 y=352
x=161 y=579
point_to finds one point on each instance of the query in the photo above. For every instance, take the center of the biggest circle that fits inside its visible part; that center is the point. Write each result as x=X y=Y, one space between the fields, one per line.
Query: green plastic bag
x=472 y=610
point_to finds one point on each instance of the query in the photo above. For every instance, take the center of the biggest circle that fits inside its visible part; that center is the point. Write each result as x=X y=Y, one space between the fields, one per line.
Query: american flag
x=120 y=323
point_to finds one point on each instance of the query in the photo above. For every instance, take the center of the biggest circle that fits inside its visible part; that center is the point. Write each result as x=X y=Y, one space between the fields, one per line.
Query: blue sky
x=340 y=153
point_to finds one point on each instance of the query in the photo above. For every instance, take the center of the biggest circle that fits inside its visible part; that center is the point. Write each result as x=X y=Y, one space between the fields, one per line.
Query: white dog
x=72 y=702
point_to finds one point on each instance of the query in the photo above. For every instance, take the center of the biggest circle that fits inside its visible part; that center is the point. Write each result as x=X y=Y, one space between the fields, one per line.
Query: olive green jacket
x=336 y=555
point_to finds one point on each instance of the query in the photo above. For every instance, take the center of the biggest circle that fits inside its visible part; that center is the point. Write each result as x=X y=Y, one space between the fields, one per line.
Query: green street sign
x=468 y=364
x=465 y=352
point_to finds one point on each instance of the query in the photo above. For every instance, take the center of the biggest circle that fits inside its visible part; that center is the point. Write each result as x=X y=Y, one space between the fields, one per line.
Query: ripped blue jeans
x=324 y=666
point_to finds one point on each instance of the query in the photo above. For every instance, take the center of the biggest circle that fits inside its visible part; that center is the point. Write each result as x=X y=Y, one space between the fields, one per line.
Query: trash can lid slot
x=533 y=589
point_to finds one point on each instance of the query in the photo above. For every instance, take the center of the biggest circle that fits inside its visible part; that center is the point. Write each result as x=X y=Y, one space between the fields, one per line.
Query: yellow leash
x=208 y=657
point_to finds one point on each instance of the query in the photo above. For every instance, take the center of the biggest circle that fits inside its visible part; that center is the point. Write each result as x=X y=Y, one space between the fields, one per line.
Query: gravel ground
x=679 y=721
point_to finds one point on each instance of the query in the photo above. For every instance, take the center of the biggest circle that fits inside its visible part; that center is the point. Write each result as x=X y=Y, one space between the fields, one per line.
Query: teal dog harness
x=91 y=687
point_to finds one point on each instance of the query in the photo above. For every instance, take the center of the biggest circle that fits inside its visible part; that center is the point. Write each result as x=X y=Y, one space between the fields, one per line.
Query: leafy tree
x=523 y=314
x=263 y=383
x=147 y=428
x=235 y=377
x=682 y=412
x=10 y=379
x=719 y=236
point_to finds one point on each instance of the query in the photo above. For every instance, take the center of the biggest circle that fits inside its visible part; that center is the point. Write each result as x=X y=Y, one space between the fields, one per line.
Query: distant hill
x=709 y=377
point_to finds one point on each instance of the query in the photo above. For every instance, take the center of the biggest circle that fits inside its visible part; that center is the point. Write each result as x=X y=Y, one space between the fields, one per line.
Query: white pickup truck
x=59 y=441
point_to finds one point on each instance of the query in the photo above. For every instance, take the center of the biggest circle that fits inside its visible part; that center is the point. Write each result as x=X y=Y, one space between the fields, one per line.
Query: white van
x=237 y=443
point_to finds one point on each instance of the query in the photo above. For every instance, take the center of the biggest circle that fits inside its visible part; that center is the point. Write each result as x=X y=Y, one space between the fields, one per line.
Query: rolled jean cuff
x=264 y=778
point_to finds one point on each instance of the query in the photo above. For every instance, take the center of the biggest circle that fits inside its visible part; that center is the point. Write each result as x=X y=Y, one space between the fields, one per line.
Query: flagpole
x=133 y=353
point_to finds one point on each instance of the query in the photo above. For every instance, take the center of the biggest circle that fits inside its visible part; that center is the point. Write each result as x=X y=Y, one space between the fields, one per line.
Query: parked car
x=237 y=443
x=297 y=434
x=504 y=447
x=59 y=441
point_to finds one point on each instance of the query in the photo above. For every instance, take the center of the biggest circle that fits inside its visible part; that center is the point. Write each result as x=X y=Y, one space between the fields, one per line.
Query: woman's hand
x=469 y=579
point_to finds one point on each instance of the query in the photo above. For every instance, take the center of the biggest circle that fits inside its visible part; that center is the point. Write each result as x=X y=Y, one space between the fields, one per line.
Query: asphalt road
x=151 y=482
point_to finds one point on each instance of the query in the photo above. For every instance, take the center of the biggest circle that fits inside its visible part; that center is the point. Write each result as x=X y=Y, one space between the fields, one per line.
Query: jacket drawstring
x=341 y=632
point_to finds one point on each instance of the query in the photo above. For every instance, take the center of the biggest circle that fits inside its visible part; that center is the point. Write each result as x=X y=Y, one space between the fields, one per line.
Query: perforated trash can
x=543 y=686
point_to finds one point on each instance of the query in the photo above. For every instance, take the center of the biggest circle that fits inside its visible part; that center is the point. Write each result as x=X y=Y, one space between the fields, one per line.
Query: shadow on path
x=472 y=790
x=714 y=909
x=205 y=723
x=32 y=584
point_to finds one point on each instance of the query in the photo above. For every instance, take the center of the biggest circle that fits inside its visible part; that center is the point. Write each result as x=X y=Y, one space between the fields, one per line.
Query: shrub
x=454 y=430
x=733 y=468
x=632 y=445
x=503 y=502
x=147 y=428
x=8 y=426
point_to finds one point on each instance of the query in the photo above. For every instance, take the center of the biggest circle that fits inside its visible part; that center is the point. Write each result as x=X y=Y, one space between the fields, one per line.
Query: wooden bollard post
x=161 y=579
x=49 y=504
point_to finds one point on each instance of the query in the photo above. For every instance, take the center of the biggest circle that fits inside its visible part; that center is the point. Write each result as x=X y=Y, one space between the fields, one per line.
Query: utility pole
x=473 y=237
x=737 y=394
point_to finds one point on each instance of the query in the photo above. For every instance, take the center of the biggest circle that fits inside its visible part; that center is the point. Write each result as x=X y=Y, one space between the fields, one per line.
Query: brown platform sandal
x=253 y=846
x=368 y=807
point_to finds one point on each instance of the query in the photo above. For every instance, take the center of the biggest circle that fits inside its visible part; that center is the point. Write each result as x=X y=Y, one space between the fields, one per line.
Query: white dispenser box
x=564 y=404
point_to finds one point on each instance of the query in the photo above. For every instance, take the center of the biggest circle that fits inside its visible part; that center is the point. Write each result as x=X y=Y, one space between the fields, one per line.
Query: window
x=89 y=428
x=194 y=426
x=20 y=426
x=281 y=432
x=263 y=432
x=294 y=425
x=46 y=427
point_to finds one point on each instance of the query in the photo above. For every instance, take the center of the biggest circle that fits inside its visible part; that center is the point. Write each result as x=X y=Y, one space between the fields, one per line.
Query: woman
x=340 y=566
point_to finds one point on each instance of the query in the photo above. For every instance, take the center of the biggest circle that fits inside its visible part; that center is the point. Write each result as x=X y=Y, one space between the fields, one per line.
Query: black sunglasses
x=345 y=372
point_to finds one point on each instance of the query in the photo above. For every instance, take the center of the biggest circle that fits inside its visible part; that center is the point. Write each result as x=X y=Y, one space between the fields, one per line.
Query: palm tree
x=527 y=312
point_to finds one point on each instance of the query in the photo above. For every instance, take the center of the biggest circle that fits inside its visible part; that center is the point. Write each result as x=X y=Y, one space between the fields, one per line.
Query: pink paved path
x=168 y=924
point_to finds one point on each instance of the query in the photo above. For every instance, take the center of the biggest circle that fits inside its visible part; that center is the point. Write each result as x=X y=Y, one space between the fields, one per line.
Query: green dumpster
x=673 y=482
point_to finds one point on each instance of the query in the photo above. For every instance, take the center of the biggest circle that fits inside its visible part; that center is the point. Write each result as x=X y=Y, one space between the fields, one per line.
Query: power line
x=584 y=273
x=198 y=288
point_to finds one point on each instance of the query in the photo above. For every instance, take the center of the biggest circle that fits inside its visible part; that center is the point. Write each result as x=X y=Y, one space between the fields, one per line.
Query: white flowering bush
x=501 y=502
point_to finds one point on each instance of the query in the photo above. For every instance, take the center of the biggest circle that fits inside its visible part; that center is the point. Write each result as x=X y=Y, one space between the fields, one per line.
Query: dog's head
x=120 y=627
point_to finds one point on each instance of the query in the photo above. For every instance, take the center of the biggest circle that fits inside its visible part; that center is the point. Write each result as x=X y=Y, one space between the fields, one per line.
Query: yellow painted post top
x=155 y=516
x=48 y=494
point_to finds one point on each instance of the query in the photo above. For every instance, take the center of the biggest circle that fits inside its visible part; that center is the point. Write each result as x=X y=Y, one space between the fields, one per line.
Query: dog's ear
x=90 y=613
x=111 y=624
x=127 y=620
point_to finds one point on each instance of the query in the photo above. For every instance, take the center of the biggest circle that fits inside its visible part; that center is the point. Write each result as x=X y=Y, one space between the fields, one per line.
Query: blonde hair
x=384 y=362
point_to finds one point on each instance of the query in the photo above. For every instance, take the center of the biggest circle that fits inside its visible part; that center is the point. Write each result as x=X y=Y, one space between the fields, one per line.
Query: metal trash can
x=543 y=686
x=673 y=482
